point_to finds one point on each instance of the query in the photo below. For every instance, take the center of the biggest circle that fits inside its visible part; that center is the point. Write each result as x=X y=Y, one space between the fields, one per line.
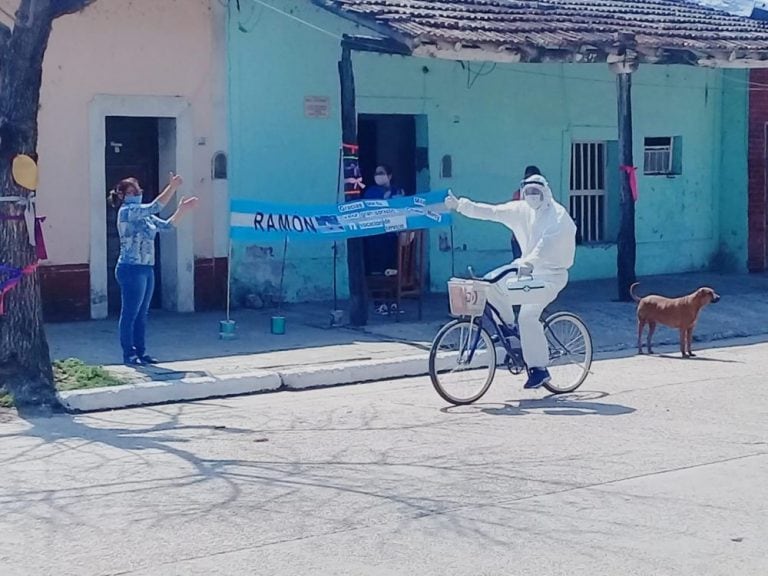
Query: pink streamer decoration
x=631 y=171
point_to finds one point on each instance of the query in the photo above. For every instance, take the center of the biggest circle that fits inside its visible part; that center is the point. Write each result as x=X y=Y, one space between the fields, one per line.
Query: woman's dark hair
x=387 y=168
x=116 y=196
x=532 y=171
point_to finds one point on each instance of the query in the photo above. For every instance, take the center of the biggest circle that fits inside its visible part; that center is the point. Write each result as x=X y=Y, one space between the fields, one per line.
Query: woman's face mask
x=133 y=196
x=381 y=178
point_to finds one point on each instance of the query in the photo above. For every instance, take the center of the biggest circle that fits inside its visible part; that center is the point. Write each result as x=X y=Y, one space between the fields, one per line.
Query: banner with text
x=255 y=221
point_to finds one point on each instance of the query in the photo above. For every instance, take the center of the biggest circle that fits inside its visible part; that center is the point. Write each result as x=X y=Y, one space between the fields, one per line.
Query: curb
x=301 y=378
x=360 y=371
x=161 y=392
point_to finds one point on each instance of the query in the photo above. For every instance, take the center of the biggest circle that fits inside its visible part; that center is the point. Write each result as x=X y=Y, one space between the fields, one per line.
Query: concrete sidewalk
x=312 y=353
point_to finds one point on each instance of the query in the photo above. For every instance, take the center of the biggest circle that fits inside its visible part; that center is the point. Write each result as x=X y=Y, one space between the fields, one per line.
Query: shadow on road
x=577 y=404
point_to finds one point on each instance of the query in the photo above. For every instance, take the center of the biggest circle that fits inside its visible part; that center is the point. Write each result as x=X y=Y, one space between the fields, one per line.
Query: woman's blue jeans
x=137 y=284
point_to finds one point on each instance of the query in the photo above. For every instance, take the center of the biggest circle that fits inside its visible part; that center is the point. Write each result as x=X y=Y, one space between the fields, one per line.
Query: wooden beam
x=362 y=21
x=374 y=44
x=739 y=64
x=626 y=242
x=358 y=293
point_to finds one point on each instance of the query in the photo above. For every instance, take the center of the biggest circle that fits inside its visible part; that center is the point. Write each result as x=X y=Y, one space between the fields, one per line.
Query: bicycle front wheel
x=570 y=352
x=462 y=362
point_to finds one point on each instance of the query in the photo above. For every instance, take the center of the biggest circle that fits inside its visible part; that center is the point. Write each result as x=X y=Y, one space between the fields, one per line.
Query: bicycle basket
x=467 y=297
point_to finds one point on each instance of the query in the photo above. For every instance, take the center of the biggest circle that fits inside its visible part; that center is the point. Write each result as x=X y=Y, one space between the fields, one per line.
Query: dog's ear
x=703 y=294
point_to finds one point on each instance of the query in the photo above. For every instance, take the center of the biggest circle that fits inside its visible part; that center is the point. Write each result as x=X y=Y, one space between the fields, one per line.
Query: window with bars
x=587 y=190
x=661 y=156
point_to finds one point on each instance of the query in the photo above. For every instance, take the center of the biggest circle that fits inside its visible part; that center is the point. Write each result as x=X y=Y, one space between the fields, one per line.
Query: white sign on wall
x=317 y=106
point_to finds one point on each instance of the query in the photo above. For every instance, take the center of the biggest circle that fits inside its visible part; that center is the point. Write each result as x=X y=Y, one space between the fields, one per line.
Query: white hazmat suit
x=547 y=237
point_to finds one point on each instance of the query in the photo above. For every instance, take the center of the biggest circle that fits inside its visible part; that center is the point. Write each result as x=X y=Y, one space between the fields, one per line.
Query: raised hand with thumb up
x=451 y=202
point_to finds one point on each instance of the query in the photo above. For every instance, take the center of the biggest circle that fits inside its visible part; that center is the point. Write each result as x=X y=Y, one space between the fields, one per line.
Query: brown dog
x=681 y=313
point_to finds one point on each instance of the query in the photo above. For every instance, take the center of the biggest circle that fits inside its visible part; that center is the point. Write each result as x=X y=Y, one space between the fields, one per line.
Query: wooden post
x=626 y=243
x=358 y=297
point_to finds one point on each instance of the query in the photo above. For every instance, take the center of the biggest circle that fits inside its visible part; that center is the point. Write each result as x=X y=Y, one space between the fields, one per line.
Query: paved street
x=658 y=467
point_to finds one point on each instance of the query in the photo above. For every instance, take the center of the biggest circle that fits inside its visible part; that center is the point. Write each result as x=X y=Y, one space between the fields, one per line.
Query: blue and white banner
x=254 y=221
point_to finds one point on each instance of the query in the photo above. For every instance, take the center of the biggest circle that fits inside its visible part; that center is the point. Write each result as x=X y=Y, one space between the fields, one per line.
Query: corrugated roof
x=660 y=27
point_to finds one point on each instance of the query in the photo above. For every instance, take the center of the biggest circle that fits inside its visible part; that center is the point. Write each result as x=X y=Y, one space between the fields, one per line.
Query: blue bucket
x=278 y=325
x=227 y=330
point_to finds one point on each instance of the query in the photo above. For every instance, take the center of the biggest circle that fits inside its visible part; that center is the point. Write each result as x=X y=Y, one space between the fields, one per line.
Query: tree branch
x=63 y=7
x=5 y=37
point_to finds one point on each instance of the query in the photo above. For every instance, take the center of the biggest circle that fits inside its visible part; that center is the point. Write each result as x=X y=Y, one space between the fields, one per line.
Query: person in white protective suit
x=547 y=237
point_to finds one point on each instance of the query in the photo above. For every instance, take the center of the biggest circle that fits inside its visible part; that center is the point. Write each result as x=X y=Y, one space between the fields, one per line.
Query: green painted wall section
x=733 y=178
x=492 y=120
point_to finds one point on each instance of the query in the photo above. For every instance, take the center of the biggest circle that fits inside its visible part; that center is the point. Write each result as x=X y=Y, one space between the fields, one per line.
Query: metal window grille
x=587 y=198
x=658 y=156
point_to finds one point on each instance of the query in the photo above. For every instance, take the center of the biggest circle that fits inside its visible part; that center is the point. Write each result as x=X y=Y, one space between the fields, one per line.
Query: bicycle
x=482 y=333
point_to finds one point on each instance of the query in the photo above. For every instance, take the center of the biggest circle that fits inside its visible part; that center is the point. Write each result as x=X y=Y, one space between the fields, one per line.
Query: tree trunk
x=25 y=365
x=627 y=245
x=358 y=301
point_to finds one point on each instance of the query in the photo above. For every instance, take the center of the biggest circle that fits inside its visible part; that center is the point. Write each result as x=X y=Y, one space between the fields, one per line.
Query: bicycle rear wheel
x=462 y=362
x=570 y=352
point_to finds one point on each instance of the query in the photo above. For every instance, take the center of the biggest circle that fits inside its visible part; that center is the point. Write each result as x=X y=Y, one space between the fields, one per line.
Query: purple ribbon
x=14 y=274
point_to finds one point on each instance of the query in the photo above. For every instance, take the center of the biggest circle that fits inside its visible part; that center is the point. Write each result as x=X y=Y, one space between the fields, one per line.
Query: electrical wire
x=297 y=19
x=479 y=74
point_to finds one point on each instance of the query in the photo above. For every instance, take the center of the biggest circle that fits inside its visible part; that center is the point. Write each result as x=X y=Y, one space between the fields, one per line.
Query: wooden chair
x=408 y=282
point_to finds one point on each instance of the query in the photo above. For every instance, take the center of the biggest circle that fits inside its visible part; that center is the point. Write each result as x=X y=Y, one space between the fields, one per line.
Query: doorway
x=389 y=139
x=399 y=141
x=132 y=150
x=176 y=151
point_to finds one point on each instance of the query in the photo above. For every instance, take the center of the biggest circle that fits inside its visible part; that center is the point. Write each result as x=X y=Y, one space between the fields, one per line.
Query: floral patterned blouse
x=138 y=225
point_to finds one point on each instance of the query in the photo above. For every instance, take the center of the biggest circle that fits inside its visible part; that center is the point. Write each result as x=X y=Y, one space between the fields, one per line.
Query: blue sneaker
x=537 y=377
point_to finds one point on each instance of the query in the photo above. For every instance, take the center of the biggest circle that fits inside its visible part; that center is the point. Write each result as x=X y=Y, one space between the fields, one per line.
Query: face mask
x=382 y=180
x=534 y=201
x=533 y=194
x=132 y=200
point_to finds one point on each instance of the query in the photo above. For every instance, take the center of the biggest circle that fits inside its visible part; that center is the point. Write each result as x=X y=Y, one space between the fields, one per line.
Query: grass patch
x=74 y=374
x=6 y=400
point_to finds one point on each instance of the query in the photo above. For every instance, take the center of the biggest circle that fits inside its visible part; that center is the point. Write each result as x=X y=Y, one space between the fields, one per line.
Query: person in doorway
x=547 y=237
x=381 y=250
x=529 y=171
x=383 y=189
x=137 y=225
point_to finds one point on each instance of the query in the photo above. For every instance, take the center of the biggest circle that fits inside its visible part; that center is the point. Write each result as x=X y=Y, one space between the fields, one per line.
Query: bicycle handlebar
x=496 y=278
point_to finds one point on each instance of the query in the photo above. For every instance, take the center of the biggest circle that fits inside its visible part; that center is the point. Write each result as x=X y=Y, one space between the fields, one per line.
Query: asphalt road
x=659 y=467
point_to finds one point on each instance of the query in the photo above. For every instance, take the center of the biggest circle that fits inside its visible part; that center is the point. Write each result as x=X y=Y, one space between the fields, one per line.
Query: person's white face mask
x=533 y=196
x=382 y=179
x=534 y=201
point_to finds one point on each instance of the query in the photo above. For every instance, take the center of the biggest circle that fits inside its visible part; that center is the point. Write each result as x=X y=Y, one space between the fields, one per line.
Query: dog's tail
x=632 y=291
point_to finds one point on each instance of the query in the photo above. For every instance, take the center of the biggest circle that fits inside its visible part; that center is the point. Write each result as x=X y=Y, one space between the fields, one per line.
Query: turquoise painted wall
x=732 y=192
x=493 y=120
